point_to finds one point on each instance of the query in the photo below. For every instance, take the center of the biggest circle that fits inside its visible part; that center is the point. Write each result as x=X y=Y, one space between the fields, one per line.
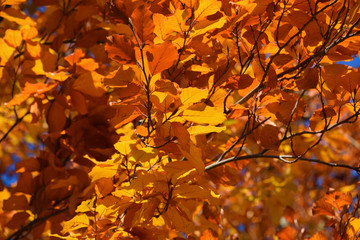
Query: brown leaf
x=18 y=220
x=16 y=202
x=309 y=80
x=269 y=136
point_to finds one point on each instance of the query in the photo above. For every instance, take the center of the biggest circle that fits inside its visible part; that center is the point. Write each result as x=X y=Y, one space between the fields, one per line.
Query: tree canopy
x=179 y=119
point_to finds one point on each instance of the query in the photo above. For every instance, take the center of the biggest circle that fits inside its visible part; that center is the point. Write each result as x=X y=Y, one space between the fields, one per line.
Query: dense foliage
x=172 y=119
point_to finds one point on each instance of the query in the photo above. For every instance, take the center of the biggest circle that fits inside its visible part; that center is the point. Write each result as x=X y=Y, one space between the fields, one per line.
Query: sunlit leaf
x=203 y=114
x=161 y=57
x=77 y=222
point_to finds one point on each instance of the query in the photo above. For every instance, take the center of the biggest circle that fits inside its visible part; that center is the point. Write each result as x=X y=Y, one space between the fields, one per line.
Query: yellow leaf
x=200 y=129
x=161 y=100
x=207 y=8
x=205 y=26
x=124 y=192
x=144 y=154
x=192 y=95
x=162 y=29
x=176 y=22
x=353 y=227
x=203 y=114
x=201 y=68
x=103 y=170
x=6 y=52
x=191 y=191
x=85 y=206
x=79 y=221
x=125 y=147
x=63 y=237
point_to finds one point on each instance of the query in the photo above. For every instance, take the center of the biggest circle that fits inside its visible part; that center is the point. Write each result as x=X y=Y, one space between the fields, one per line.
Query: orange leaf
x=270 y=78
x=338 y=199
x=207 y=8
x=59 y=76
x=89 y=83
x=287 y=233
x=141 y=130
x=143 y=23
x=30 y=90
x=161 y=57
x=289 y=214
x=103 y=187
x=29 y=33
x=12 y=2
x=319 y=236
x=15 y=15
x=323 y=208
x=209 y=235
x=75 y=56
x=13 y=38
x=121 y=49
x=88 y=64
x=56 y=117
x=182 y=135
x=194 y=157
x=239 y=81
x=78 y=101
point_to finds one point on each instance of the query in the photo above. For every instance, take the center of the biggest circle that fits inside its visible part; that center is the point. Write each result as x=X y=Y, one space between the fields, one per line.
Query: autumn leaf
x=319 y=236
x=287 y=233
x=103 y=187
x=206 y=8
x=203 y=114
x=309 y=80
x=165 y=119
x=77 y=222
x=121 y=49
x=143 y=23
x=161 y=57
x=29 y=91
